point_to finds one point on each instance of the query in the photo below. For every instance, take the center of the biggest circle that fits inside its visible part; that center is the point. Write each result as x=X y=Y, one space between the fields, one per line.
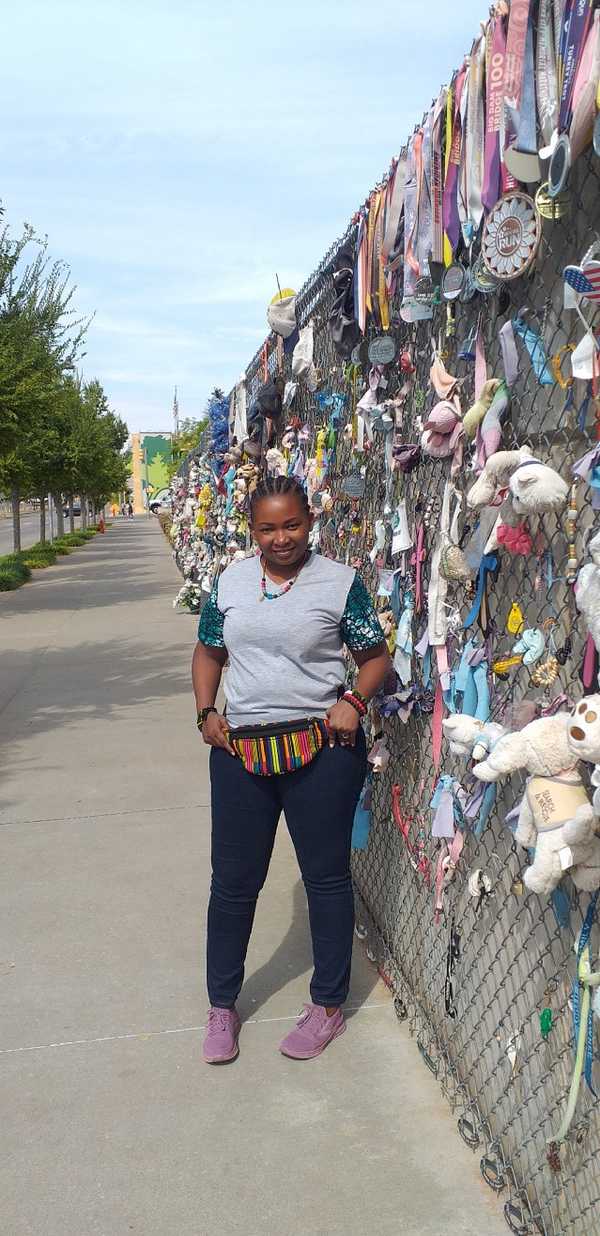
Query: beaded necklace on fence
x=272 y=596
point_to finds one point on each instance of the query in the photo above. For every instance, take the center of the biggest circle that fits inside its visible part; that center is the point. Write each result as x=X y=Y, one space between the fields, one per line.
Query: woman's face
x=281 y=528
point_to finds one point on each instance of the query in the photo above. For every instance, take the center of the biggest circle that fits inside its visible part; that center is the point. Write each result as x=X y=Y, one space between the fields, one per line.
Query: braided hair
x=273 y=486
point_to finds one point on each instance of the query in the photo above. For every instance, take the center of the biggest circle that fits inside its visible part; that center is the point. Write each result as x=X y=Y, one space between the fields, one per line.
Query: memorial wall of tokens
x=435 y=386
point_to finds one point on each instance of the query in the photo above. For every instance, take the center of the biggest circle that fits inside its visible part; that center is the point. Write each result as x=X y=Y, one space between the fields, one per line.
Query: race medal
x=382 y=350
x=482 y=279
x=511 y=236
x=353 y=485
x=522 y=164
x=452 y=281
x=559 y=166
x=469 y=287
x=551 y=207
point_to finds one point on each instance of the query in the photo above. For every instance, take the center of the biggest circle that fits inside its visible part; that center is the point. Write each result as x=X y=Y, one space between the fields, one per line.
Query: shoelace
x=219 y=1019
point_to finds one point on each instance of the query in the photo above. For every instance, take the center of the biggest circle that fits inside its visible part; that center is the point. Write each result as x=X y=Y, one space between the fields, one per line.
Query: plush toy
x=533 y=488
x=555 y=814
x=469 y=737
x=587 y=590
x=277 y=464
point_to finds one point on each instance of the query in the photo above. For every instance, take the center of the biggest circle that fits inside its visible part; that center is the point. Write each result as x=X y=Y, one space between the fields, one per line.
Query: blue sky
x=178 y=153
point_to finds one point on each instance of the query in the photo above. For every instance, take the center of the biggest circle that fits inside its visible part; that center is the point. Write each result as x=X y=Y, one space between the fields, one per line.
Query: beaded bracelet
x=359 y=696
x=355 y=703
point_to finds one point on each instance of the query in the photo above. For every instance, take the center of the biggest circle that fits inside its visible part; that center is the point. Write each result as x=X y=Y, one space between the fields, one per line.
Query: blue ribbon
x=536 y=350
x=485 y=810
x=489 y=562
x=584 y=939
x=426 y=676
x=561 y=906
x=362 y=817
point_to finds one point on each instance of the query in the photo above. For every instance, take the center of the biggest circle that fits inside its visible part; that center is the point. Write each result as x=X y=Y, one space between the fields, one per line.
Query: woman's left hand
x=342 y=722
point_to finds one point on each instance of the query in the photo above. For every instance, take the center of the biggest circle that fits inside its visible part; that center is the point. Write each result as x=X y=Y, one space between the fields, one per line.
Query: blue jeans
x=319 y=803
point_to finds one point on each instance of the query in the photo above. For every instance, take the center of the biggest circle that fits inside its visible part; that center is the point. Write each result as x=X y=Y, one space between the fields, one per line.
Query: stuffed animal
x=555 y=815
x=277 y=464
x=533 y=488
x=469 y=737
x=587 y=590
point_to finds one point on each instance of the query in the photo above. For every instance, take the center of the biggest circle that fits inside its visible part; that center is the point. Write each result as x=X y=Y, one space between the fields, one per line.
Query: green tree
x=186 y=440
x=97 y=466
x=40 y=340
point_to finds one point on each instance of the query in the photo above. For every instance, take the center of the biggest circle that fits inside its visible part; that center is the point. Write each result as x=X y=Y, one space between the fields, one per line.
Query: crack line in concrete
x=103 y=815
x=151 y=1034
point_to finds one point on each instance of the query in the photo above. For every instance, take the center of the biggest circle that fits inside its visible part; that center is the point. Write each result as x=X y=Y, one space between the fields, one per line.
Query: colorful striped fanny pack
x=282 y=748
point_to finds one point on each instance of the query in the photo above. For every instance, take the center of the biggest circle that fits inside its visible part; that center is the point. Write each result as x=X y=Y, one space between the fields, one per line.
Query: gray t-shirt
x=286 y=656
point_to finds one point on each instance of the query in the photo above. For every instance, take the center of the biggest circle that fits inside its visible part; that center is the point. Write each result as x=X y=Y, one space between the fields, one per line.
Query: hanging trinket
x=511 y=237
x=553 y=208
x=452 y=958
x=353 y=486
x=515 y=622
x=571 y=528
x=559 y=166
x=546 y=673
x=546 y=1015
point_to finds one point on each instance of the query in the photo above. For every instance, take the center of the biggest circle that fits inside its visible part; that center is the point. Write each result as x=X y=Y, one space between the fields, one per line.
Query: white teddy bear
x=533 y=487
x=587 y=590
x=469 y=737
x=555 y=815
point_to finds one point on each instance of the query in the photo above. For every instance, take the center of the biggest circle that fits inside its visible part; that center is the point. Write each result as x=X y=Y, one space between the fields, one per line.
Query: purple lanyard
x=576 y=23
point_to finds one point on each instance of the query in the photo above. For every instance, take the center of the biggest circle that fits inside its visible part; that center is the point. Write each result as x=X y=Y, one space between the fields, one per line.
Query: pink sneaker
x=313 y=1031
x=221 y=1038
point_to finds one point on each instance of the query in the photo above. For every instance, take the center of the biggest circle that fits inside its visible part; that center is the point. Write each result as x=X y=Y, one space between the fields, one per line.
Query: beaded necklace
x=272 y=596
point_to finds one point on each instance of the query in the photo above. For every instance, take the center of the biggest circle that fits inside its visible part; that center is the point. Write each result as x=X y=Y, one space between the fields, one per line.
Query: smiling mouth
x=282 y=553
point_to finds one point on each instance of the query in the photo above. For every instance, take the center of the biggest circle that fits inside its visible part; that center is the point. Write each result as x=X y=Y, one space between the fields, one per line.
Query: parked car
x=76 y=508
x=160 y=501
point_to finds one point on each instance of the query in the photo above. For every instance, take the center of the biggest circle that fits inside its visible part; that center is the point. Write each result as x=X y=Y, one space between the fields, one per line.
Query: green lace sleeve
x=210 y=627
x=360 y=627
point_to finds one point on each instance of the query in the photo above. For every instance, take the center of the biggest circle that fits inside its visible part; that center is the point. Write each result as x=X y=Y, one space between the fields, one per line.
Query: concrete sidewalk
x=111 y=1123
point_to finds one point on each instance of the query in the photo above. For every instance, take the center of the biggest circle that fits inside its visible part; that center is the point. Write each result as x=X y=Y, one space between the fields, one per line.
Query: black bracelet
x=203 y=714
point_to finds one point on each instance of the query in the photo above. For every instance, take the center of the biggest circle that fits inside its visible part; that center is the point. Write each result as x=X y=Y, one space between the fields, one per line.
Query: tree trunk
x=71 y=515
x=43 y=519
x=84 y=511
x=60 y=519
x=15 y=501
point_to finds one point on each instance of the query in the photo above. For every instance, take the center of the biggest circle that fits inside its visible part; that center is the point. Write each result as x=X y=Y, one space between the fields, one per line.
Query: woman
x=281 y=619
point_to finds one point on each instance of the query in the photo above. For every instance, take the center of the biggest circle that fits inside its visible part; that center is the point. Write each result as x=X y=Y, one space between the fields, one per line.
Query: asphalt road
x=30 y=531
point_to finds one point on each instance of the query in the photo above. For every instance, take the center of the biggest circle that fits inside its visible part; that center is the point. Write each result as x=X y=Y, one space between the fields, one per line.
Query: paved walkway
x=111 y=1124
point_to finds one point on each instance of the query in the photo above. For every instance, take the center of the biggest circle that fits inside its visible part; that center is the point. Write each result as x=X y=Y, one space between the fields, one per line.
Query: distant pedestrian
x=290 y=741
x=123 y=511
x=130 y=510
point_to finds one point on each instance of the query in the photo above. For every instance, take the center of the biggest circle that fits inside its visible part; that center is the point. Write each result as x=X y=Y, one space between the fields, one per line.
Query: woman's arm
x=207 y=667
x=374 y=665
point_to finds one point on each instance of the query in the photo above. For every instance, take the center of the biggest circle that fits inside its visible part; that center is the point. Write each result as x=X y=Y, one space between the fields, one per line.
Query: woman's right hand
x=215 y=732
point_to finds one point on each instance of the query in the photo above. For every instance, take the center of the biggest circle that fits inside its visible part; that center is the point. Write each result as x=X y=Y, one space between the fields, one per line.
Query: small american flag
x=585 y=280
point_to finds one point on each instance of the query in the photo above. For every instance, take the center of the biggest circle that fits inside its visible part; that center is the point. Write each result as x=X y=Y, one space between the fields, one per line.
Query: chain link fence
x=511 y=954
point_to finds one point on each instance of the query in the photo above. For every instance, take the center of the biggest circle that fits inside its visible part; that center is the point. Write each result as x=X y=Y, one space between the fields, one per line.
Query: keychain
x=515 y=622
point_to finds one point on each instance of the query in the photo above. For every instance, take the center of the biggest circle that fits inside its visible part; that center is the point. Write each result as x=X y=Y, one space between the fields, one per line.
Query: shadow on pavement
x=293 y=958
